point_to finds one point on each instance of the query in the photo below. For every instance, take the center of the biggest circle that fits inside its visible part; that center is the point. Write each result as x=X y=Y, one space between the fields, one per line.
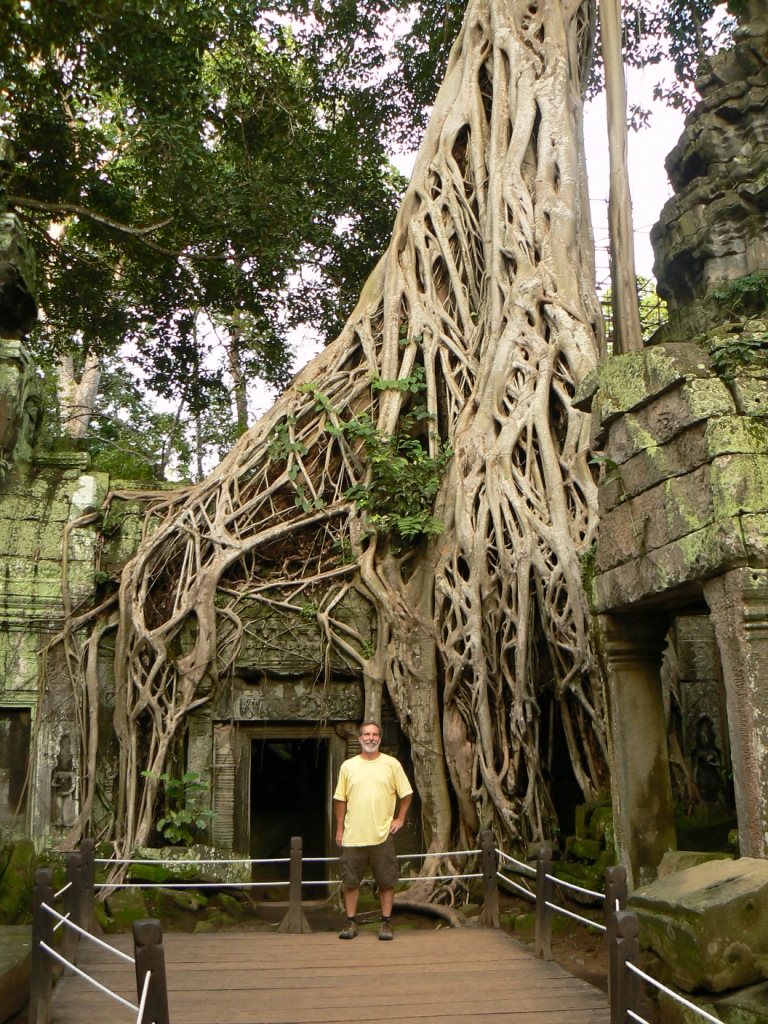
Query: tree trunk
x=238 y=379
x=628 y=332
x=77 y=399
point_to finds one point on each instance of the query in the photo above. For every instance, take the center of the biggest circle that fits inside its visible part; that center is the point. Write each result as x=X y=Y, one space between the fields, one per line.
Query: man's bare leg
x=387 y=900
x=350 y=900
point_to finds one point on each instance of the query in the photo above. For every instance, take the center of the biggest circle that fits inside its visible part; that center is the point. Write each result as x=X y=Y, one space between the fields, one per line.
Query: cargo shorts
x=381 y=859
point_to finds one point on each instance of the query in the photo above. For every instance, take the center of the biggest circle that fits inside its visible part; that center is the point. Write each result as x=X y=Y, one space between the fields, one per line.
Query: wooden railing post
x=489 y=915
x=294 y=921
x=615 y=890
x=150 y=959
x=72 y=903
x=616 y=895
x=87 y=883
x=41 y=976
x=543 y=936
x=623 y=984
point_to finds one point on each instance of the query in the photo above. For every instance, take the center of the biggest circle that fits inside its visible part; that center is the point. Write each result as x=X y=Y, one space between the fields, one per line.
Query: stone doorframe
x=633 y=643
x=244 y=735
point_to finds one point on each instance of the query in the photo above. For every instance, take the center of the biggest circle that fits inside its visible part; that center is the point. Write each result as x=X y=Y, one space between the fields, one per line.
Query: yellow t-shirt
x=369 y=789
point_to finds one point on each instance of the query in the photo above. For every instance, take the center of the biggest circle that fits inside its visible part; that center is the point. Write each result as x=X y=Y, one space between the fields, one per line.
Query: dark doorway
x=289 y=797
x=15 y=729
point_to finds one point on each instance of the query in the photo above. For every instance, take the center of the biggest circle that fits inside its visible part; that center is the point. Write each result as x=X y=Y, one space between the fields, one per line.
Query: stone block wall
x=684 y=492
x=39 y=502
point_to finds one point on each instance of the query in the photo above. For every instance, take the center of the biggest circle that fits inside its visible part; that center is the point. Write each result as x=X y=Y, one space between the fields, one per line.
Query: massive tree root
x=482 y=631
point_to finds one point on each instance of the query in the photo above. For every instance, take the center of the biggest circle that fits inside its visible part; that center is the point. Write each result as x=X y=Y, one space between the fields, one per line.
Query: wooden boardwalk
x=441 y=976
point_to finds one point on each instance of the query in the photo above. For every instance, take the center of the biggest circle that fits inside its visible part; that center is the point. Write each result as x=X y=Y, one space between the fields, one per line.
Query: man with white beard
x=368 y=787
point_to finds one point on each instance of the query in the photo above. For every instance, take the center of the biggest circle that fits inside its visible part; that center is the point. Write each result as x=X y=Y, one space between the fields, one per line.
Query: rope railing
x=517 y=863
x=76 y=923
x=86 y=977
x=625 y=975
x=87 y=935
x=75 y=919
x=185 y=863
x=641 y=975
x=509 y=883
x=142 y=884
x=614 y=899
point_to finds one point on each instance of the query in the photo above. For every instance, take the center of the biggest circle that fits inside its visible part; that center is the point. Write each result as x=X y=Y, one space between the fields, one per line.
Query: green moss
x=125 y=906
x=17 y=884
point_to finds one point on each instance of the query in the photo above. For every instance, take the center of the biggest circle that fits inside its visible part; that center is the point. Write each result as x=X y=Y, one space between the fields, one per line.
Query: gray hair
x=369 y=721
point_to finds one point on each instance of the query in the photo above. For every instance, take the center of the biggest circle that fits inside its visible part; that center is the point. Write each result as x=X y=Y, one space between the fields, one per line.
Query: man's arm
x=340 y=810
x=399 y=821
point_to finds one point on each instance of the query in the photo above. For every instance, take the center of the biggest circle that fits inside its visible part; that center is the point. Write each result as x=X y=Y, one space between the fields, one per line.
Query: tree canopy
x=183 y=159
x=192 y=161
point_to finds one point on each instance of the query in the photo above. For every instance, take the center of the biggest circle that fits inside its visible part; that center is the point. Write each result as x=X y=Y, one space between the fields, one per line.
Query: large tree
x=458 y=367
x=430 y=461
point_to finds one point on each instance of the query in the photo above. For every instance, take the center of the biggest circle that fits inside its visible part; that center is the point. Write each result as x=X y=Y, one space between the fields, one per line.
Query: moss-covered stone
x=204 y=927
x=708 y=924
x=525 y=924
x=165 y=902
x=210 y=866
x=681 y=860
x=588 y=876
x=125 y=906
x=104 y=921
x=507 y=919
x=229 y=904
x=17 y=884
x=632 y=380
x=748 y=1006
x=583 y=849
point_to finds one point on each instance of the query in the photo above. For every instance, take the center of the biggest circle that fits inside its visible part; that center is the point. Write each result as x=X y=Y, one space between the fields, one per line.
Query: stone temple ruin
x=679 y=581
x=683 y=539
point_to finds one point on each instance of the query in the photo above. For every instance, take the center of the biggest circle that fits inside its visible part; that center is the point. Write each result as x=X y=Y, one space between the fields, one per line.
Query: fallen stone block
x=708 y=924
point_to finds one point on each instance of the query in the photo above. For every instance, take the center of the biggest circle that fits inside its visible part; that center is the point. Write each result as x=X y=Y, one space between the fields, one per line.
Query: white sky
x=649 y=185
x=648 y=182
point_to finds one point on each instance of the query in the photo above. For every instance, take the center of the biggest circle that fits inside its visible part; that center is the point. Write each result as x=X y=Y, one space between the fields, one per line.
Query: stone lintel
x=723 y=545
x=72 y=460
x=273 y=700
x=738 y=602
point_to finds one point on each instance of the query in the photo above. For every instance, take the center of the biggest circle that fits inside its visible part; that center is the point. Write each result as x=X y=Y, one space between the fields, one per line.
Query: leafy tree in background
x=195 y=163
x=653 y=310
x=181 y=163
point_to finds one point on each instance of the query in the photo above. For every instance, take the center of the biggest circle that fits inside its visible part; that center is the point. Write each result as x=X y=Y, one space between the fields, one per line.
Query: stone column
x=643 y=807
x=738 y=603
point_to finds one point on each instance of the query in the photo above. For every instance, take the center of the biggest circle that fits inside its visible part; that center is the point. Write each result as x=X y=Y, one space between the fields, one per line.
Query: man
x=364 y=803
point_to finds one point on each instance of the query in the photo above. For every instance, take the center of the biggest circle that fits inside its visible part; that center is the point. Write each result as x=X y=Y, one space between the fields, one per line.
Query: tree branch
x=140 y=234
x=84 y=211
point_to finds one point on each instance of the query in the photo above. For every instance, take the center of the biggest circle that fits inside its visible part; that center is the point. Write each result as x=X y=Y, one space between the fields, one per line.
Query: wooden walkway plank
x=435 y=976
